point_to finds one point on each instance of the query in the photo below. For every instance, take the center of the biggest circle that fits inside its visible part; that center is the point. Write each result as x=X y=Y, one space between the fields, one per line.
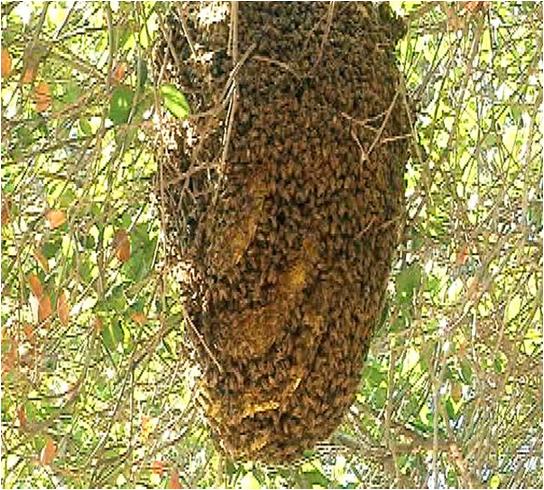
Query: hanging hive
x=286 y=228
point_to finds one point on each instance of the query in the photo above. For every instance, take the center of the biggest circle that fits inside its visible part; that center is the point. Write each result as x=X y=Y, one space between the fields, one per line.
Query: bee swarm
x=283 y=194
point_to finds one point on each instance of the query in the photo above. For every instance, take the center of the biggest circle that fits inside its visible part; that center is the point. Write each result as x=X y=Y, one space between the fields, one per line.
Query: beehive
x=285 y=224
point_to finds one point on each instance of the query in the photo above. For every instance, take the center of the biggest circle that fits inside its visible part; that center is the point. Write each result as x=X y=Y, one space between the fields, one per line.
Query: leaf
x=21 y=416
x=9 y=356
x=55 y=218
x=6 y=208
x=85 y=126
x=119 y=72
x=466 y=372
x=6 y=63
x=44 y=308
x=97 y=324
x=48 y=452
x=28 y=330
x=408 y=280
x=139 y=318
x=141 y=70
x=474 y=7
x=121 y=244
x=63 y=309
x=35 y=285
x=174 y=480
x=456 y=392
x=121 y=104
x=175 y=101
x=462 y=255
x=112 y=335
x=42 y=260
x=157 y=467
x=29 y=74
x=42 y=95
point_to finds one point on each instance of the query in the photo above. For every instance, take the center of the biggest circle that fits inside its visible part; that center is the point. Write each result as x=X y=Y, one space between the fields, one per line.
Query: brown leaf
x=97 y=324
x=157 y=467
x=6 y=212
x=35 y=285
x=462 y=255
x=174 y=480
x=55 y=218
x=42 y=260
x=139 y=318
x=44 y=308
x=119 y=72
x=121 y=243
x=474 y=7
x=63 y=309
x=9 y=356
x=28 y=330
x=21 y=415
x=43 y=97
x=6 y=63
x=48 y=452
x=29 y=74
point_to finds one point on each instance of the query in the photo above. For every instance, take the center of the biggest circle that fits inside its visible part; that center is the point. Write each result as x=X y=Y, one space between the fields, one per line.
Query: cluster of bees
x=285 y=225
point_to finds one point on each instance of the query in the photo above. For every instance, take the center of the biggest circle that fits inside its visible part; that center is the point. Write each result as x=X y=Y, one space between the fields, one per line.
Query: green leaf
x=175 y=101
x=121 y=104
x=408 y=280
x=85 y=126
x=466 y=372
x=141 y=71
x=71 y=92
x=112 y=334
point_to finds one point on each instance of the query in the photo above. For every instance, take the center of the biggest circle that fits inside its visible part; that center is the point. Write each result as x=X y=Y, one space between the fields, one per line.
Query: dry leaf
x=174 y=480
x=35 y=285
x=119 y=72
x=474 y=7
x=157 y=467
x=21 y=415
x=6 y=63
x=48 y=452
x=121 y=243
x=44 y=308
x=462 y=255
x=29 y=74
x=139 y=318
x=28 y=330
x=6 y=212
x=9 y=357
x=42 y=260
x=55 y=218
x=63 y=309
x=97 y=324
x=43 y=97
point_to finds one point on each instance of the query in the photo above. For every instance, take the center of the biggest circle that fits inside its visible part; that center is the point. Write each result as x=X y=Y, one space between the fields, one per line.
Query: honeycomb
x=283 y=197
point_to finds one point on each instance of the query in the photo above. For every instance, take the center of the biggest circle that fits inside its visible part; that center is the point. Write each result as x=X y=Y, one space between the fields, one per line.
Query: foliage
x=97 y=380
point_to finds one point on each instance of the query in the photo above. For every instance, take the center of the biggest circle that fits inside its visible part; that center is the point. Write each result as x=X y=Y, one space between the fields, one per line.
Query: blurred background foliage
x=98 y=389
